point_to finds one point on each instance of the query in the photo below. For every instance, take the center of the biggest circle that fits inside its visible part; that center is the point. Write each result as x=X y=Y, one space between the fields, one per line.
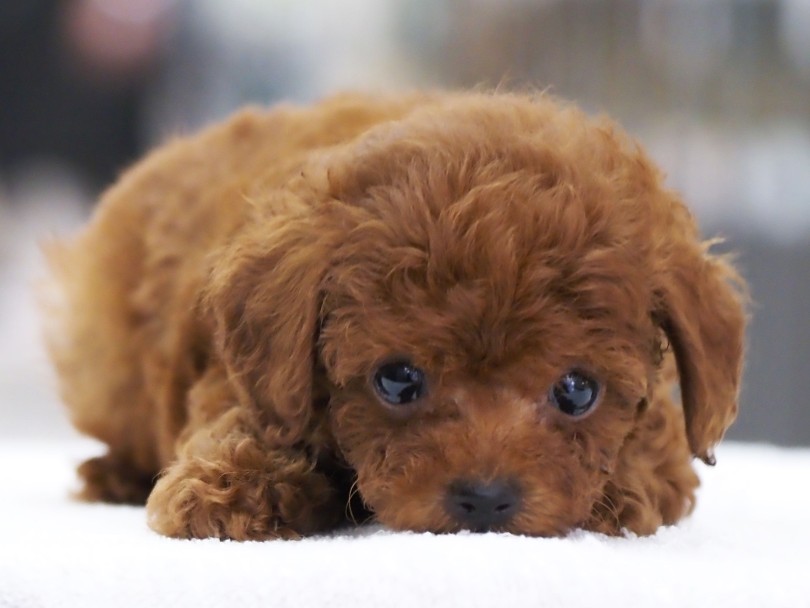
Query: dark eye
x=574 y=393
x=399 y=382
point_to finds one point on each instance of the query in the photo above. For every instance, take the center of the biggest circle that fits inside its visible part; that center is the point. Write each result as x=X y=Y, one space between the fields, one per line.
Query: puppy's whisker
x=348 y=512
x=609 y=507
x=250 y=201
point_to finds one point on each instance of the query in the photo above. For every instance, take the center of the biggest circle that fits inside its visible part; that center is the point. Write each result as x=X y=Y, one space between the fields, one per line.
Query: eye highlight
x=574 y=393
x=399 y=382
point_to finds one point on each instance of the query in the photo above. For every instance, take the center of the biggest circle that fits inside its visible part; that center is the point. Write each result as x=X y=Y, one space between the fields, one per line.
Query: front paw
x=198 y=499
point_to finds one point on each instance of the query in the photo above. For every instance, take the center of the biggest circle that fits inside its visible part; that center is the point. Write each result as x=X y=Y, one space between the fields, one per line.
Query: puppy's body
x=235 y=292
x=130 y=342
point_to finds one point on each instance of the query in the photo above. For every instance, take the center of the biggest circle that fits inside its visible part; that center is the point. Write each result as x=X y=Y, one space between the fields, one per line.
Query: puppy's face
x=488 y=338
x=516 y=430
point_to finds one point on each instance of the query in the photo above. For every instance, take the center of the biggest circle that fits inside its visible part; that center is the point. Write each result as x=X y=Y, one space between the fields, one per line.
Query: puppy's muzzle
x=482 y=505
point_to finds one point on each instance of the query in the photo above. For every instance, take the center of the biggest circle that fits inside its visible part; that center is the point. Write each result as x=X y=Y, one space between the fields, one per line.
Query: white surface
x=748 y=544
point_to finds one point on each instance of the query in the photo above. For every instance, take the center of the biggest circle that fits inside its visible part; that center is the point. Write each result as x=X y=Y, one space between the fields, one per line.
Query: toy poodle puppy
x=443 y=311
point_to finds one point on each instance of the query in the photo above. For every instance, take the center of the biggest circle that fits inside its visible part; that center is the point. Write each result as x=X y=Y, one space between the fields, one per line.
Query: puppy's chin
x=432 y=518
x=422 y=506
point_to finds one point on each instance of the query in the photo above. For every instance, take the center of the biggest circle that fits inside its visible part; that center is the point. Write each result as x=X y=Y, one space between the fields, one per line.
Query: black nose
x=482 y=505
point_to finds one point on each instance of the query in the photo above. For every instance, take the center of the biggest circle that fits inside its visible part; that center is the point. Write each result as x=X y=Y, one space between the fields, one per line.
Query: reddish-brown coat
x=223 y=311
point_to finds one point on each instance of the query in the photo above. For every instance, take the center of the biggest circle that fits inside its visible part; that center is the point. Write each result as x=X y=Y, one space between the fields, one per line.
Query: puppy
x=445 y=311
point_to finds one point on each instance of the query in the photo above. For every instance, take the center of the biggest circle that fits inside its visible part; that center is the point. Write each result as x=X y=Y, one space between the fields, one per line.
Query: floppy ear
x=700 y=310
x=263 y=300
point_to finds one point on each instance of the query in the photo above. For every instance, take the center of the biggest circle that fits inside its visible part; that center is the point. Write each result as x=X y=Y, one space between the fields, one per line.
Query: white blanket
x=748 y=544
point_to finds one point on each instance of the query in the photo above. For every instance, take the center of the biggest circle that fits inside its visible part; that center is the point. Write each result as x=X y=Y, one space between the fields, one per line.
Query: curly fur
x=224 y=309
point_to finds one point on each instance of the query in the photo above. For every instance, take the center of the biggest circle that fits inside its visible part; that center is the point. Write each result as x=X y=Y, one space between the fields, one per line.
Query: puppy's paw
x=198 y=499
x=114 y=479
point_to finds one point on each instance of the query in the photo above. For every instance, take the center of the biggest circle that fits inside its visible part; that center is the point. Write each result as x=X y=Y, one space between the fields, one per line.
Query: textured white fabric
x=748 y=544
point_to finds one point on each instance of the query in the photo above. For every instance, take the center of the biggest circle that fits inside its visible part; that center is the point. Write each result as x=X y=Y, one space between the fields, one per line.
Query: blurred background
x=717 y=90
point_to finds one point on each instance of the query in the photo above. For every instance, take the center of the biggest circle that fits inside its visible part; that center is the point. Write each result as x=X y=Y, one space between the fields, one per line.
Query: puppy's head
x=472 y=304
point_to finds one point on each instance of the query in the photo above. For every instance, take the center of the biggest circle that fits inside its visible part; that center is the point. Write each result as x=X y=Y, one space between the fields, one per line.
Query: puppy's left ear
x=700 y=308
x=263 y=301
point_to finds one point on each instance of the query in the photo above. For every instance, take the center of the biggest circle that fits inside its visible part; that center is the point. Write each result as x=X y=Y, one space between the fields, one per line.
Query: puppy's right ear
x=263 y=299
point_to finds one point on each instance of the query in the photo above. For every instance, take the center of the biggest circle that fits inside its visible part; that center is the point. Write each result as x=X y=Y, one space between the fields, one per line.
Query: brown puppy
x=457 y=311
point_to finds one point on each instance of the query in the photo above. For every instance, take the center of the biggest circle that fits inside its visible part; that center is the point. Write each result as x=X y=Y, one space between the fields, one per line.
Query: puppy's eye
x=574 y=393
x=399 y=382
